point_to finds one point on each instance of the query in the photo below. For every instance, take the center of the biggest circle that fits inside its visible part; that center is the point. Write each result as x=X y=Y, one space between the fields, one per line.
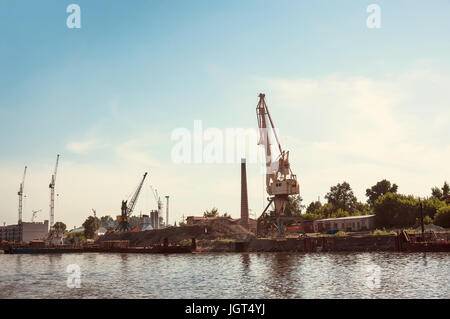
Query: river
x=227 y=275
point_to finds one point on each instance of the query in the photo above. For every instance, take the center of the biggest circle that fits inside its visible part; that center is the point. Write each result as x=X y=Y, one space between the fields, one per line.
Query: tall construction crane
x=52 y=193
x=33 y=217
x=280 y=181
x=20 y=193
x=160 y=205
x=127 y=208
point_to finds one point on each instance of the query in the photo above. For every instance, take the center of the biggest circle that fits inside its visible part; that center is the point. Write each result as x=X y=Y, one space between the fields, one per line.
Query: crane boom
x=52 y=193
x=127 y=209
x=133 y=200
x=20 y=193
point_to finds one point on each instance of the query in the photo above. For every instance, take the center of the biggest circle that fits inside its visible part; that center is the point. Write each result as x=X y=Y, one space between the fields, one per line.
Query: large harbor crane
x=52 y=193
x=280 y=181
x=20 y=193
x=127 y=208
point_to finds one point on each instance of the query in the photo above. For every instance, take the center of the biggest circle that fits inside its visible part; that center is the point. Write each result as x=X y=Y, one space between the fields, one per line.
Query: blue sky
x=352 y=103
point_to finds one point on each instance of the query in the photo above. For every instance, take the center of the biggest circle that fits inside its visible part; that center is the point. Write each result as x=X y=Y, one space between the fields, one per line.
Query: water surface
x=230 y=275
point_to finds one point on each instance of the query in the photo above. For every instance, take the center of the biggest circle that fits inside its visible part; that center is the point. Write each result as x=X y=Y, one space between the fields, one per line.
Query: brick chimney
x=244 y=197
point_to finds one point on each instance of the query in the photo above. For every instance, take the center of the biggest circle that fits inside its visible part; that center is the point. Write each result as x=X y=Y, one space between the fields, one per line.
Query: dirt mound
x=208 y=230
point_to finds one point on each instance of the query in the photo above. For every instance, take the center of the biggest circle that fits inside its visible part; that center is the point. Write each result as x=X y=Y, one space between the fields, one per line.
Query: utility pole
x=167 y=211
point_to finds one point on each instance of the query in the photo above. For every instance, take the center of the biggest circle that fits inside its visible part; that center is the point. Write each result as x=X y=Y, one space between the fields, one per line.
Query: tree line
x=390 y=208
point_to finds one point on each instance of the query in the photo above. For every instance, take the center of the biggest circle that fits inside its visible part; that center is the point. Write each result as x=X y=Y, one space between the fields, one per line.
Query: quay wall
x=344 y=243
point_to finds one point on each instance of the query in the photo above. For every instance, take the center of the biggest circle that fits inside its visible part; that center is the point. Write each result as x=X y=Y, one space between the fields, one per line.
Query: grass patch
x=341 y=233
x=225 y=240
x=383 y=232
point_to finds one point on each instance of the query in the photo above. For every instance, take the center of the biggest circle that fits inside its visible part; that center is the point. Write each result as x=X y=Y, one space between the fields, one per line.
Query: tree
x=91 y=225
x=380 y=189
x=445 y=191
x=211 y=213
x=442 y=217
x=396 y=210
x=294 y=206
x=313 y=206
x=436 y=193
x=107 y=222
x=341 y=196
x=441 y=193
x=60 y=228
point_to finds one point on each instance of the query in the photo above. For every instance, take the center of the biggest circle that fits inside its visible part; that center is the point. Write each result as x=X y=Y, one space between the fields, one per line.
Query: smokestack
x=244 y=197
x=167 y=211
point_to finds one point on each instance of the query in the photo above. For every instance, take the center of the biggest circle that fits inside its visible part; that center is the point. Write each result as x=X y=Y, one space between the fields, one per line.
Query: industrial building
x=24 y=231
x=350 y=223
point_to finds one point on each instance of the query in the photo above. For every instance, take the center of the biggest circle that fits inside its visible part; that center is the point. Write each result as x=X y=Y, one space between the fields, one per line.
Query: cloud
x=136 y=151
x=80 y=147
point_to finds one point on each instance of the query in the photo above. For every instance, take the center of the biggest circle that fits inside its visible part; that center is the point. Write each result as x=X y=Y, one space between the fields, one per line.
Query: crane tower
x=20 y=193
x=52 y=193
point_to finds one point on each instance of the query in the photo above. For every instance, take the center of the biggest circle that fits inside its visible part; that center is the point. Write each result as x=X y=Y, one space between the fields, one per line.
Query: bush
x=442 y=217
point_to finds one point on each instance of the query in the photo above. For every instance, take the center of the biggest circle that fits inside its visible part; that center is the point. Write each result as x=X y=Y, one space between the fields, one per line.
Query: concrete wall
x=367 y=243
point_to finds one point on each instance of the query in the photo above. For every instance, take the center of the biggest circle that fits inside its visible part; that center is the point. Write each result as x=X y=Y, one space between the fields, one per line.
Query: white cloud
x=81 y=147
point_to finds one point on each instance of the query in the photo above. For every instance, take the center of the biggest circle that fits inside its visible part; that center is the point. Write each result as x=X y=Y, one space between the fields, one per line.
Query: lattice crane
x=52 y=193
x=127 y=208
x=280 y=181
x=20 y=193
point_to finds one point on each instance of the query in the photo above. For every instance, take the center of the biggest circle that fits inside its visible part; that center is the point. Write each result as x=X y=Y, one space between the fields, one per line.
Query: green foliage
x=107 y=222
x=294 y=206
x=395 y=210
x=382 y=232
x=431 y=206
x=441 y=193
x=379 y=189
x=60 y=228
x=442 y=217
x=91 y=225
x=76 y=237
x=427 y=220
x=436 y=193
x=313 y=206
x=211 y=213
x=214 y=212
x=341 y=233
x=445 y=190
x=341 y=196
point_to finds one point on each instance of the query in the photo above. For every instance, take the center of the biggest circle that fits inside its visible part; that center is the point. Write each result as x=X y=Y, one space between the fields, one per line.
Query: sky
x=351 y=103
